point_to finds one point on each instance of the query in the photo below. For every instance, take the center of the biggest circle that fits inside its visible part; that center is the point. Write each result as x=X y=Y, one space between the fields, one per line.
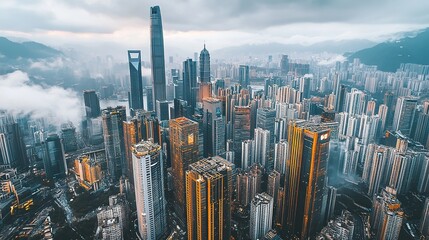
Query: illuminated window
x=191 y=138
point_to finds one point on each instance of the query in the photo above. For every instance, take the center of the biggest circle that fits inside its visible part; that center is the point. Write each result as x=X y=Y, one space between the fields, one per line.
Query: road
x=359 y=231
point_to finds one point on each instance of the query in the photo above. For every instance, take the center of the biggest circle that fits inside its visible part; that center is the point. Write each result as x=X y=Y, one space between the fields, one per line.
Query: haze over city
x=235 y=120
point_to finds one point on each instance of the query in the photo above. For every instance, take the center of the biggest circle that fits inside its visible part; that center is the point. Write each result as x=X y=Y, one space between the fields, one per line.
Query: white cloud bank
x=19 y=96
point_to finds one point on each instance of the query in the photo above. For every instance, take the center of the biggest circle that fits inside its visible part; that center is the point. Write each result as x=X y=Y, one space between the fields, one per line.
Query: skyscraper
x=387 y=215
x=12 y=142
x=157 y=54
x=112 y=219
x=204 y=65
x=184 y=151
x=162 y=110
x=190 y=83
x=92 y=104
x=214 y=127
x=241 y=120
x=284 y=65
x=136 y=95
x=305 y=180
x=421 y=133
x=261 y=215
x=247 y=153
x=404 y=113
x=304 y=86
x=68 y=134
x=273 y=184
x=149 y=98
x=265 y=119
x=149 y=190
x=205 y=84
x=262 y=148
x=424 y=220
x=281 y=154
x=132 y=136
x=208 y=199
x=248 y=184
x=243 y=76
x=113 y=140
x=53 y=159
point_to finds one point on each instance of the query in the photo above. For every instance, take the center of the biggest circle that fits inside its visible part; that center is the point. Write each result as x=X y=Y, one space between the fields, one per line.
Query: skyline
x=272 y=145
x=65 y=24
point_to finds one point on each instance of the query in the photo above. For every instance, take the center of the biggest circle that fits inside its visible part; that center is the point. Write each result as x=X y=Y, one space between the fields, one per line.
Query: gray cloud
x=187 y=15
x=188 y=23
x=56 y=104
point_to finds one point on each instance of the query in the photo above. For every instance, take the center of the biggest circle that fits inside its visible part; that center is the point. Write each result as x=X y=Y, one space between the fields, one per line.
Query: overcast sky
x=220 y=23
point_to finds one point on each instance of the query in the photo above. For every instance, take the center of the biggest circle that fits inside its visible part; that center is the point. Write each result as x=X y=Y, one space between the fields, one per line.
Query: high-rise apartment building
x=387 y=215
x=261 y=215
x=262 y=149
x=248 y=184
x=112 y=220
x=281 y=154
x=247 y=153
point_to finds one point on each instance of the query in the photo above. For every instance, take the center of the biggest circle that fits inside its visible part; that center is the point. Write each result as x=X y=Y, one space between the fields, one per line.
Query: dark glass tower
x=12 y=147
x=205 y=65
x=243 y=76
x=53 y=159
x=205 y=84
x=157 y=54
x=136 y=96
x=92 y=104
x=113 y=133
x=190 y=83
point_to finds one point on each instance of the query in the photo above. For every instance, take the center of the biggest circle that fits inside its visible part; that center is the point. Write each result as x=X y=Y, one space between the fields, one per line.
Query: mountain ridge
x=388 y=56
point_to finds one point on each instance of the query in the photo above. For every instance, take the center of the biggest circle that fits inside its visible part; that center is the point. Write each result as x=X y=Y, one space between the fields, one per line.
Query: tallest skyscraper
x=157 y=55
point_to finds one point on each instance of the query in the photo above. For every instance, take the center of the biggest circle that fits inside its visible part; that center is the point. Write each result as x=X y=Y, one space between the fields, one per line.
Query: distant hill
x=278 y=48
x=10 y=50
x=389 y=55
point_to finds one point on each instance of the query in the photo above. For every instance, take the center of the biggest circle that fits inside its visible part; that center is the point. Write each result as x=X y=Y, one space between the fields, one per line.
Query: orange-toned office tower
x=132 y=136
x=208 y=199
x=305 y=179
x=184 y=151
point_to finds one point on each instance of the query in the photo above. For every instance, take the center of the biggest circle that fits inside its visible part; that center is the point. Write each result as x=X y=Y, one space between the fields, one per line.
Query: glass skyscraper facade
x=53 y=159
x=305 y=183
x=149 y=190
x=113 y=140
x=157 y=55
x=136 y=93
